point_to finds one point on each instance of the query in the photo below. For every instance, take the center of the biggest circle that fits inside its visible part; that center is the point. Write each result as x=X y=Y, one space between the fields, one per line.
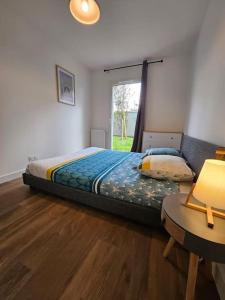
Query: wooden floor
x=54 y=249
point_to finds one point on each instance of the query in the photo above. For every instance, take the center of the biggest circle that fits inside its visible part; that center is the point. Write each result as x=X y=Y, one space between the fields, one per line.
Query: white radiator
x=98 y=138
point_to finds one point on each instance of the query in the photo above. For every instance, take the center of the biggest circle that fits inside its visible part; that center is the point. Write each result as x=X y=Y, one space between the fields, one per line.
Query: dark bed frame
x=195 y=152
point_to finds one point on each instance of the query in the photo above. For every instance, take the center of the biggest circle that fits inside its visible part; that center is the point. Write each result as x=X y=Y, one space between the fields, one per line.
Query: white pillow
x=166 y=167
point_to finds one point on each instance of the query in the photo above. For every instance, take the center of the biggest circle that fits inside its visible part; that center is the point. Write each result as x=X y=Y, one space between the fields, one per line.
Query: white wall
x=207 y=107
x=166 y=99
x=32 y=122
x=207 y=104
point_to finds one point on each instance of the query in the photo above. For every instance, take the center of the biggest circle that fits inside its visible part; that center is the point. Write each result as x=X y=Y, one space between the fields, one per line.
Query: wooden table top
x=199 y=238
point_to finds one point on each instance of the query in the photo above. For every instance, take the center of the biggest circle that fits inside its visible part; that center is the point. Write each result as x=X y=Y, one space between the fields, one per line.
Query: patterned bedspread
x=114 y=174
x=127 y=184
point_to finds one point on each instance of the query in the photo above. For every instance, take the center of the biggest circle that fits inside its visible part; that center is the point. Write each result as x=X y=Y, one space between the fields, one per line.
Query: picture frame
x=65 y=86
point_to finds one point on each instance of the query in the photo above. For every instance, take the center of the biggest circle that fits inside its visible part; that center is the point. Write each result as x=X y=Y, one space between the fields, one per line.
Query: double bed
x=109 y=180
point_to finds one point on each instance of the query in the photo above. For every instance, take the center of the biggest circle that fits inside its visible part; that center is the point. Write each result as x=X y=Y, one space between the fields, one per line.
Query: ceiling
x=128 y=31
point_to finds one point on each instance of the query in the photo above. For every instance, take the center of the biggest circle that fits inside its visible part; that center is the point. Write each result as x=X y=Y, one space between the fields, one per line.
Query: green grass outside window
x=122 y=144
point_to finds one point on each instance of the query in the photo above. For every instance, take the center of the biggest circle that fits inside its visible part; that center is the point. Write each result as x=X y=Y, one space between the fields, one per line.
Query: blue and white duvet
x=113 y=174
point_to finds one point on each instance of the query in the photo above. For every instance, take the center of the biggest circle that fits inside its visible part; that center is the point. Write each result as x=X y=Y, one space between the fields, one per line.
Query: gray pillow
x=163 y=151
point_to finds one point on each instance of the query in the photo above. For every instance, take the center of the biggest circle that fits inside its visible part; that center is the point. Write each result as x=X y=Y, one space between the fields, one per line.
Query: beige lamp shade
x=210 y=186
x=85 y=11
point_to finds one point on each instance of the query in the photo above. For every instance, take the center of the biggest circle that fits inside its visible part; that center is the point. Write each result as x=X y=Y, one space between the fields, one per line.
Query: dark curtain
x=139 y=127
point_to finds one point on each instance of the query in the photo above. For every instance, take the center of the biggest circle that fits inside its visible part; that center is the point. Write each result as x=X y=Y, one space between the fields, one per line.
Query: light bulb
x=85 y=6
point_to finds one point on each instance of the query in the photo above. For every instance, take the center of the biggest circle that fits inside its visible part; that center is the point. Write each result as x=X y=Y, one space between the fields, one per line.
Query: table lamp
x=210 y=190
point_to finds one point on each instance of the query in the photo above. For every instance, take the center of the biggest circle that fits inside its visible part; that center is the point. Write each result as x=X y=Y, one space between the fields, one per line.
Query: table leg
x=169 y=246
x=192 y=276
x=207 y=265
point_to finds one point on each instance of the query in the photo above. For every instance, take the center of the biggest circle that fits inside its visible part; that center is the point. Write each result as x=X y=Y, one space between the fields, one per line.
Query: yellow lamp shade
x=85 y=11
x=210 y=186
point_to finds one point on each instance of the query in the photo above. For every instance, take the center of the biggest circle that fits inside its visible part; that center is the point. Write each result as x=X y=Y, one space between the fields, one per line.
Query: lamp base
x=209 y=216
x=208 y=210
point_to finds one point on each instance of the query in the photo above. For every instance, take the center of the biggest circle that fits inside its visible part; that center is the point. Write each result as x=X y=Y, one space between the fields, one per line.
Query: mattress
x=39 y=168
x=109 y=173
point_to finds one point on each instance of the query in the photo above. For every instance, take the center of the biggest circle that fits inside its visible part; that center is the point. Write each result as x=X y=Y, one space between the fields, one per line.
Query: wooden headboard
x=197 y=151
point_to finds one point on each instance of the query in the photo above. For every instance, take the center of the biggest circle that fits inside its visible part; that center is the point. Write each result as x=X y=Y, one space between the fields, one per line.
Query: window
x=125 y=102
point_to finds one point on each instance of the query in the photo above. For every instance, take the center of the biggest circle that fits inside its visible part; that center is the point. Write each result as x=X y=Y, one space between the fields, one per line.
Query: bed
x=108 y=180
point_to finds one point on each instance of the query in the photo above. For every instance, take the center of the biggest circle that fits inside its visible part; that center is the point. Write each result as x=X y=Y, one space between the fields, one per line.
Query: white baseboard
x=11 y=176
x=219 y=277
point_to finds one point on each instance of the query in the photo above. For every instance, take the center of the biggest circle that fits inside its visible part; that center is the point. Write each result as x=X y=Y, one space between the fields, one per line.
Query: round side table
x=189 y=228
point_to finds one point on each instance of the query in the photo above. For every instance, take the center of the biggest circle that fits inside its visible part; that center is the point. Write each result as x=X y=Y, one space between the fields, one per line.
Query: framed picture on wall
x=65 y=86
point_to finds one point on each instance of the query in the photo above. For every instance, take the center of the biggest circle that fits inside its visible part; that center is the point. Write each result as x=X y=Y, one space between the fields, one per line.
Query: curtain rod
x=130 y=66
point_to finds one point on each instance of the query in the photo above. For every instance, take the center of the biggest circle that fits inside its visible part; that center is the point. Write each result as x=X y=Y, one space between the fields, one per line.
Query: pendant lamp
x=85 y=11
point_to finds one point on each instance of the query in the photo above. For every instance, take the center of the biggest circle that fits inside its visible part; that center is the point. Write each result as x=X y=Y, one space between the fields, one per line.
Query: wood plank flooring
x=52 y=249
